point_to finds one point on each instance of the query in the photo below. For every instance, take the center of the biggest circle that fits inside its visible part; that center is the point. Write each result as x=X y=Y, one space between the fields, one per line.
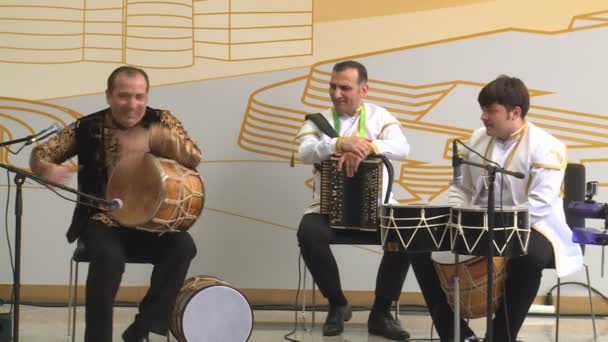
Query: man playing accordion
x=363 y=129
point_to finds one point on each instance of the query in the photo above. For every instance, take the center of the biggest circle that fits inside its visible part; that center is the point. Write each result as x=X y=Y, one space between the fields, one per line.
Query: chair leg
x=557 y=310
x=304 y=297
x=397 y=309
x=75 y=303
x=314 y=303
x=591 y=303
x=70 y=301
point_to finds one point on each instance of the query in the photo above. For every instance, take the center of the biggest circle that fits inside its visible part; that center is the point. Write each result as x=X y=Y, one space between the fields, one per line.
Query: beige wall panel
x=42 y=57
x=160 y=59
x=271 y=5
x=96 y=4
x=210 y=6
x=103 y=41
x=211 y=20
x=103 y=55
x=160 y=8
x=107 y=28
x=42 y=13
x=347 y=9
x=55 y=42
x=104 y=15
x=206 y=35
x=211 y=51
x=160 y=32
x=159 y=21
x=54 y=3
x=45 y=27
x=260 y=50
x=266 y=34
x=155 y=2
x=160 y=44
x=270 y=19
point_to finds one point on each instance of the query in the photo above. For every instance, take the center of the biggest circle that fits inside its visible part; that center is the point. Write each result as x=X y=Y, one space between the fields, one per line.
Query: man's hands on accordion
x=351 y=151
x=349 y=162
x=362 y=147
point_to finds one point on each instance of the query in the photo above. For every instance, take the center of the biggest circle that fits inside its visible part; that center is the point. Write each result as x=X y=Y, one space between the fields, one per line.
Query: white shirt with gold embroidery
x=542 y=159
x=382 y=127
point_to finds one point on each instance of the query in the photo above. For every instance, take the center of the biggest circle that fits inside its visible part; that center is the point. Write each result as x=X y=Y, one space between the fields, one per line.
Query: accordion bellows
x=352 y=202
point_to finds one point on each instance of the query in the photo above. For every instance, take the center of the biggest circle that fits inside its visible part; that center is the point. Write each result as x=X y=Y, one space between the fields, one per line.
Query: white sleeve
x=313 y=148
x=546 y=177
x=462 y=194
x=391 y=141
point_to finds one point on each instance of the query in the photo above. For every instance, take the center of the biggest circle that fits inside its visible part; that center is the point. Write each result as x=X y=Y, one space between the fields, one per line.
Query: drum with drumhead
x=472 y=273
x=469 y=230
x=159 y=195
x=415 y=228
x=208 y=309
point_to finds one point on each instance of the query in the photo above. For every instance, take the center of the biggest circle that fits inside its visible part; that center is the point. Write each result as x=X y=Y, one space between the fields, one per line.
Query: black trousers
x=110 y=248
x=314 y=237
x=521 y=286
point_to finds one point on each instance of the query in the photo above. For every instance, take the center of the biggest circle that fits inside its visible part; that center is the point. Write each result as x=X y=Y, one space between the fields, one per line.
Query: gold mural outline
x=124 y=36
x=278 y=225
x=444 y=171
x=20 y=105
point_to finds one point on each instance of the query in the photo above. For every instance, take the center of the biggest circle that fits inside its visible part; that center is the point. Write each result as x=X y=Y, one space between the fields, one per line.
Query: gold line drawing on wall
x=269 y=129
x=16 y=116
x=276 y=225
x=589 y=20
x=154 y=34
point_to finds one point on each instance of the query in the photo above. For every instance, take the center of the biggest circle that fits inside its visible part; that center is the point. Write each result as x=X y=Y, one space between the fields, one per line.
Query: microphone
x=114 y=204
x=457 y=178
x=55 y=128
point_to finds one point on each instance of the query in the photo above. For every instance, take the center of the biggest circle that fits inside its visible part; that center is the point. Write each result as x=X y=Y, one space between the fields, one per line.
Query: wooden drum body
x=473 y=284
x=159 y=195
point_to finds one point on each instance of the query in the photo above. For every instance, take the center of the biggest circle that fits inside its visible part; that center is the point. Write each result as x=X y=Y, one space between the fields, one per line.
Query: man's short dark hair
x=128 y=70
x=508 y=91
x=361 y=71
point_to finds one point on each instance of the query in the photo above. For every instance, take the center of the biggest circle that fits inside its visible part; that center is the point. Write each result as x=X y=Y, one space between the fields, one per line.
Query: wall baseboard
x=58 y=294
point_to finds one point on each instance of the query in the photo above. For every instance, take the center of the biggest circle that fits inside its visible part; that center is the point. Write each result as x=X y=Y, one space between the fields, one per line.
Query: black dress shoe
x=135 y=333
x=383 y=324
x=337 y=315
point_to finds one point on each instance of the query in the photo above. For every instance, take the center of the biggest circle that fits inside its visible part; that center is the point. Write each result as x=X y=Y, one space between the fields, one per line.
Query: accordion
x=352 y=202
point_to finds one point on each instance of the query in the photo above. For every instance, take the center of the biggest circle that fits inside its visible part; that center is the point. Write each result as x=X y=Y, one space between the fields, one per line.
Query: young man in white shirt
x=508 y=139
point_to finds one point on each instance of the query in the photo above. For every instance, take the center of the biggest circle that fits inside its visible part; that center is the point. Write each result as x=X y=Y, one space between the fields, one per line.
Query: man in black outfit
x=100 y=140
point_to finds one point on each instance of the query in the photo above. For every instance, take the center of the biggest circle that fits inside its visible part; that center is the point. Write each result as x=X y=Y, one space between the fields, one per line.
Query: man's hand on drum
x=59 y=174
x=362 y=147
x=349 y=162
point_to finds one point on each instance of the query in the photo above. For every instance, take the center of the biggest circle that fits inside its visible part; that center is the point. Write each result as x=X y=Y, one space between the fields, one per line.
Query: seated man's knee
x=185 y=246
x=308 y=231
x=111 y=258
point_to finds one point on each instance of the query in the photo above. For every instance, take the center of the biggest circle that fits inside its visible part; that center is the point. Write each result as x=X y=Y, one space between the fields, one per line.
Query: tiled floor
x=49 y=325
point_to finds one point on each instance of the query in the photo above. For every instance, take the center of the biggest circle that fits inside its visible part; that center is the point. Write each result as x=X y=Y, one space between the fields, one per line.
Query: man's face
x=128 y=99
x=345 y=91
x=500 y=122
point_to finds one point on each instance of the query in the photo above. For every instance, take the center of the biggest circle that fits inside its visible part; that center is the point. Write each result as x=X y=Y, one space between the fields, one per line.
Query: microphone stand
x=492 y=170
x=16 y=141
x=20 y=176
